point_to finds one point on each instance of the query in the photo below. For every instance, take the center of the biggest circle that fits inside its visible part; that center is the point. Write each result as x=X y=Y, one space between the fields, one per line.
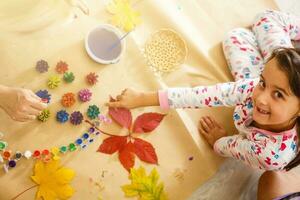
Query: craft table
x=54 y=30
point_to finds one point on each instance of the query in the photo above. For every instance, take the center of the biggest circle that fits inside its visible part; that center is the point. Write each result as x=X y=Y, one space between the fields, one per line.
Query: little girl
x=266 y=95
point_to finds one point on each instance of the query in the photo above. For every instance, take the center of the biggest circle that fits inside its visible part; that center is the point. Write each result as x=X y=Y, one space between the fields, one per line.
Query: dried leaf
x=121 y=115
x=126 y=156
x=145 y=151
x=127 y=150
x=144 y=186
x=147 y=122
x=112 y=144
x=124 y=16
x=53 y=180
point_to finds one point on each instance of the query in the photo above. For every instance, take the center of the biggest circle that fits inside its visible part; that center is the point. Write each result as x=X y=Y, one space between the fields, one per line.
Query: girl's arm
x=262 y=152
x=130 y=98
x=222 y=94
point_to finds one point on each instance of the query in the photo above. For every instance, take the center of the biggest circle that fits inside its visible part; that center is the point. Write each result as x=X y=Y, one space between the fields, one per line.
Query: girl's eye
x=261 y=83
x=278 y=95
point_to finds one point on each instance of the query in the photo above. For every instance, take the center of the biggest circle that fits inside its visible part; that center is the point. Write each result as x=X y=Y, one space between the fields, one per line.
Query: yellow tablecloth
x=54 y=30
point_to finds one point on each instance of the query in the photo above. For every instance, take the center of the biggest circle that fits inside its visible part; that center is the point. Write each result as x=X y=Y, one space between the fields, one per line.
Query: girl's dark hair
x=289 y=62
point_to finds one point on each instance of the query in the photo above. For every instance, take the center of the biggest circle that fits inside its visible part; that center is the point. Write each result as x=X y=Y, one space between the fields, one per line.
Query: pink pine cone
x=85 y=95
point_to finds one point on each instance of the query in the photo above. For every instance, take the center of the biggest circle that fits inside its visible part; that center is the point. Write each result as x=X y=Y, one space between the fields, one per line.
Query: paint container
x=104 y=45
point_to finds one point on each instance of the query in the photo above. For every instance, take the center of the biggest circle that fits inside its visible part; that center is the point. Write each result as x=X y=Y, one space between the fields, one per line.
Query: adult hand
x=20 y=104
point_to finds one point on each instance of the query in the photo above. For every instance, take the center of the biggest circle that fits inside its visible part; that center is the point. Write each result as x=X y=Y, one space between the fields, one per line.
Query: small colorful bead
x=63 y=149
x=44 y=116
x=3 y=145
x=44 y=95
x=72 y=147
x=6 y=155
x=62 y=116
x=91 y=130
x=85 y=95
x=76 y=118
x=92 y=78
x=45 y=152
x=93 y=112
x=42 y=66
x=79 y=141
x=85 y=136
x=69 y=77
x=46 y=156
x=61 y=67
x=27 y=154
x=55 y=153
x=18 y=155
x=53 y=82
x=36 y=154
x=91 y=140
x=12 y=163
x=68 y=99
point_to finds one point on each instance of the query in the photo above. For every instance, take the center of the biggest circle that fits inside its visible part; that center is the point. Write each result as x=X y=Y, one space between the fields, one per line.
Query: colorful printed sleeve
x=223 y=94
x=262 y=152
x=275 y=29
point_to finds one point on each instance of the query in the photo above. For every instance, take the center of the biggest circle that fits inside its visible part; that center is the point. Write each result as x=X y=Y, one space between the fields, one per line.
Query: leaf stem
x=24 y=192
x=92 y=124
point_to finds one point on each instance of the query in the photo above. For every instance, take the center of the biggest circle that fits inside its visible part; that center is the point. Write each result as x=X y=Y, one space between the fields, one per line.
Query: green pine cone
x=69 y=77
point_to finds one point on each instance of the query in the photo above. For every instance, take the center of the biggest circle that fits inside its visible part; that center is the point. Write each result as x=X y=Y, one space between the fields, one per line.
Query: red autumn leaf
x=121 y=115
x=147 y=122
x=145 y=151
x=112 y=144
x=126 y=156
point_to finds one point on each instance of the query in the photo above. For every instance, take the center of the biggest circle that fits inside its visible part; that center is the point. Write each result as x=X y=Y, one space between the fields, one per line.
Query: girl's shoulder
x=283 y=138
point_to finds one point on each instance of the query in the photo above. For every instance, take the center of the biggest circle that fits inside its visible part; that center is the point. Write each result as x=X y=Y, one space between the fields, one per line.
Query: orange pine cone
x=68 y=99
x=61 y=67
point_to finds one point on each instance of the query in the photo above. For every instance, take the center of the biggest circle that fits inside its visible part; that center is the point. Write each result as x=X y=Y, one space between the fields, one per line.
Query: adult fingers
x=21 y=117
x=37 y=104
x=34 y=96
x=32 y=111
x=26 y=119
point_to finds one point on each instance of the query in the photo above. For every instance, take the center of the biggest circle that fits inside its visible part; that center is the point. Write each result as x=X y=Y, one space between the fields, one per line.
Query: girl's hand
x=20 y=104
x=130 y=98
x=211 y=130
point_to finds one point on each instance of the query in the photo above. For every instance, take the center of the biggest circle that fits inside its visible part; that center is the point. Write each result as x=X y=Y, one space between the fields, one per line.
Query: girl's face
x=275 y=106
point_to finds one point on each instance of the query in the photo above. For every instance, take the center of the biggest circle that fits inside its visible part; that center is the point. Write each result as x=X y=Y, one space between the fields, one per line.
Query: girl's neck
x=277 y=128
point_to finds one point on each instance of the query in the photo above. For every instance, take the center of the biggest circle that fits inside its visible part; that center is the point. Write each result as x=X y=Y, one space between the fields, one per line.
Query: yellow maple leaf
x=53 y=180
x=124 y=16
x=146 y=187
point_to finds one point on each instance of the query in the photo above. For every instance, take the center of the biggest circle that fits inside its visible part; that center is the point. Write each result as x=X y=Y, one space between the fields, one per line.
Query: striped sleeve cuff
x=163 y=99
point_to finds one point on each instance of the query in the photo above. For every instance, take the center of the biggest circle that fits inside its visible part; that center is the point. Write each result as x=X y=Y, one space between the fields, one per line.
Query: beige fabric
x=48 y=29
